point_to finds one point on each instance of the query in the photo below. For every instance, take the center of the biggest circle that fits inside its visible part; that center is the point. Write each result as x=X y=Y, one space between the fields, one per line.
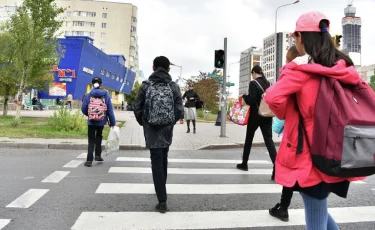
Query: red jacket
x=302 y=79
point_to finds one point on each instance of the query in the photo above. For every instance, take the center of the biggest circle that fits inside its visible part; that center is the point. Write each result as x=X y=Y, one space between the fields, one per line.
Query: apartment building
x=274 y=53
x=249 y=58
x=112 y=25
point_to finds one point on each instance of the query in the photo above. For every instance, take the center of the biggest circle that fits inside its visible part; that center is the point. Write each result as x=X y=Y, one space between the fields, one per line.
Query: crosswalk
x=185 y=179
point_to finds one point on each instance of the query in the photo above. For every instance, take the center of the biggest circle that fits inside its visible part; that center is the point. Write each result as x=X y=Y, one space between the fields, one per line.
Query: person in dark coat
x=255 y=120
x=159 y=138
x=190 y=113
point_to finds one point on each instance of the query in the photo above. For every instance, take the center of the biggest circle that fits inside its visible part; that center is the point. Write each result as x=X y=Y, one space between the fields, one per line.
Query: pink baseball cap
x=309 y=22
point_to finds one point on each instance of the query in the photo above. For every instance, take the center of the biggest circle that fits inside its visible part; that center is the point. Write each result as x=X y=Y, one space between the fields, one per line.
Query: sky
x=188 y=31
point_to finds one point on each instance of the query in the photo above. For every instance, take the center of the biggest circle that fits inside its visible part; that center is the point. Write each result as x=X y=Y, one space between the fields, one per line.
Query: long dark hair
x=321 y=48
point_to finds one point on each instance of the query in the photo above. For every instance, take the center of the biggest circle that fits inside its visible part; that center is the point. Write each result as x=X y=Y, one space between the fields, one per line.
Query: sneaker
x=280 y=213
x=242 y=167
x=161 y=207
x=98 y=158
x=88 y=163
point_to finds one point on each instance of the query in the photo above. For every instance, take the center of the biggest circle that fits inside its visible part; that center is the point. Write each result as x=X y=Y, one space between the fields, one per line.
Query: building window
x=133 y=29
x=83 y=33
x=104 y=15
x=102 y=72
x=84 y=14
x=104 y=25
x=117 y=78
x=68 y=33
x=103 y=35
x=68 y=24
x=108 y=74
x=68 y=13
x=102 y=45
x=134 y=19
x=132 y=47
x=83 y=23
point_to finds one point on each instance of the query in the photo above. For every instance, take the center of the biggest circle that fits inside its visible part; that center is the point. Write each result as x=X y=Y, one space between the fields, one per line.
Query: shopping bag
x=239 y=113
x=113 y=141
x=278 y=125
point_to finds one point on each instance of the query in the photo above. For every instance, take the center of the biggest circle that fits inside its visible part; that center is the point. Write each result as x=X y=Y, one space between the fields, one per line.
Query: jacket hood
x=343 y=73
x=160 y=75
x=98 y=92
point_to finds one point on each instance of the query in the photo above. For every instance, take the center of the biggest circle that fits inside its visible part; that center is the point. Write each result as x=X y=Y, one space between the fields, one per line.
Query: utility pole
x=223 y=92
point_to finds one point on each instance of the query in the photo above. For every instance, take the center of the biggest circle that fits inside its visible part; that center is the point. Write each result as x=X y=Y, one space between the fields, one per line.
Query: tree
x=133 y=94
x=34 y=28
x=372 y=81
x=8 y=75
x=207 y=89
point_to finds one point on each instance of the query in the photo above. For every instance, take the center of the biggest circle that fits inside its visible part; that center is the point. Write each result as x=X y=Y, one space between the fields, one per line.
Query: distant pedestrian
x=190 y=113
x=70 y=99
x=157 y=107
x=255 y=120
x=97 y=106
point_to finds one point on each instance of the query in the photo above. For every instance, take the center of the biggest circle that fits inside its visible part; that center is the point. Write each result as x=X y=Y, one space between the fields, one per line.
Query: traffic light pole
x=223 y=92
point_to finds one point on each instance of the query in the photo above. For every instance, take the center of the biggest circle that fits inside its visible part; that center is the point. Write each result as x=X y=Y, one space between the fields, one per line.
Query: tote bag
x=239 y=113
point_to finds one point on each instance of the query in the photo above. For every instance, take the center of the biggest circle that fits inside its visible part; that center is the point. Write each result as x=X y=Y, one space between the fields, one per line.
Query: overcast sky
x=188 y=31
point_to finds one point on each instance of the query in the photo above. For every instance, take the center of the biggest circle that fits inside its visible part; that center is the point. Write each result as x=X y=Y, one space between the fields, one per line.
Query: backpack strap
x=301 y=129
x=259 y=85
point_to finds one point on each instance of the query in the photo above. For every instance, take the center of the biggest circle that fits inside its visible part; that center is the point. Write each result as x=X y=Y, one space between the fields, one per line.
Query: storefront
x=80 y=62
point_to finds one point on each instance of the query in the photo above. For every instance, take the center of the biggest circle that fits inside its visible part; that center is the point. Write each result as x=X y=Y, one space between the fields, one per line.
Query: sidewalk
x=131 y=136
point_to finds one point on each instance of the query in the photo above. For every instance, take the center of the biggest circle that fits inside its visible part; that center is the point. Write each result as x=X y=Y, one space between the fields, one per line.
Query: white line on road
x=56 y=177
x=28 y=198
x=4 y=222
x=359 y=182
x=191 y=171
x=209 y=220
x=207 y=161
x=123 y=188
x=82 y=156
x=73 y=164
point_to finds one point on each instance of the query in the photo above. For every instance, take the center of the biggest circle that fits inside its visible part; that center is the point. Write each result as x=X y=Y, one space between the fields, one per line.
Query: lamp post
x=276 y=32
x=180 y=78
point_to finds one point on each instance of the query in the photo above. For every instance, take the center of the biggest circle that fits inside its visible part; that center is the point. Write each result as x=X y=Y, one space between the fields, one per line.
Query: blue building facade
x=80 y=62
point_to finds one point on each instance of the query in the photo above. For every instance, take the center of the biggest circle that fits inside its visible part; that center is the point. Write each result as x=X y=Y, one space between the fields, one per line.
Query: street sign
x=214 y=75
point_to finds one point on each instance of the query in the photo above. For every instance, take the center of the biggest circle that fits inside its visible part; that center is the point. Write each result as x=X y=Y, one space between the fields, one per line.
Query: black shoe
x=194 y=131
x=98 y=158
x=188 y=131
x=279 y=212
x=161 y=207
x=88 y=163
x=242 y=167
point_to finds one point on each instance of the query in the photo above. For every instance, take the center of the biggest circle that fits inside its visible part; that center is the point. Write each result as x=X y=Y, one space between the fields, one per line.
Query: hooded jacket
x=109 y=115
x=158 y=137
x=303 y=79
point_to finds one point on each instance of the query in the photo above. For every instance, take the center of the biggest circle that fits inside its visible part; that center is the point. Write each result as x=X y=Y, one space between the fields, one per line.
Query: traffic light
x=219 y=59
x=337 y=40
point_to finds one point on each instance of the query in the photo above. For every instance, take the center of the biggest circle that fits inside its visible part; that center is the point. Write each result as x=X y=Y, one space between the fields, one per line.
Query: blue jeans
x=316 y=214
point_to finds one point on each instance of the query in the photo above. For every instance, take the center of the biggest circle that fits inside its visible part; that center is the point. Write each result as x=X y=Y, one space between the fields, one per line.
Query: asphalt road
x=37 y=192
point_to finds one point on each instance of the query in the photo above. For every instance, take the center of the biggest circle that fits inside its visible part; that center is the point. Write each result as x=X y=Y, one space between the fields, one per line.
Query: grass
x=206 y=117
x=39 y=128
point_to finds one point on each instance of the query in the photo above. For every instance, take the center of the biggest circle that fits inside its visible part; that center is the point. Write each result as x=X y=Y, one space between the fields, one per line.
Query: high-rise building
x=351 y=31
x=112 y=25
x=249 y=58
x=274 y=52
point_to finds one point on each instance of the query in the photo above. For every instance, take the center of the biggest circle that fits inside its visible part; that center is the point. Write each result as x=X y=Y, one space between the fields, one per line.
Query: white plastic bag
x=113 y=141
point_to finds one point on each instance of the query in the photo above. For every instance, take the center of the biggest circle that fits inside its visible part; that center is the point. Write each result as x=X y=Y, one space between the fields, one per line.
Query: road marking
x=191 y=171
x=28 y=198
x=126 y=188
x=73 y=164
x=56 y=177
x=82 y=156
x=4 y=222
x=207 y=161
x=210 y=220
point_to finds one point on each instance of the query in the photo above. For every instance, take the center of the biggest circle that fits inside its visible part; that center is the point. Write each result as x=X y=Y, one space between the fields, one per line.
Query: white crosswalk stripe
x=183 y=182
x=4 y=222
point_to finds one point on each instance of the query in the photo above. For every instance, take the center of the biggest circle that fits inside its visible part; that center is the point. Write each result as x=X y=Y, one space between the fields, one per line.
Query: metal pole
x=223 y=105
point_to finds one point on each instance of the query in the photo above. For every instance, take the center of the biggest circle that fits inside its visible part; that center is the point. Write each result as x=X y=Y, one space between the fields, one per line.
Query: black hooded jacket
x=158 y=137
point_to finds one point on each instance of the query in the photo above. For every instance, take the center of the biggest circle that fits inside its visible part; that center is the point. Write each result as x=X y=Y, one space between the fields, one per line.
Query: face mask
x=96 y=85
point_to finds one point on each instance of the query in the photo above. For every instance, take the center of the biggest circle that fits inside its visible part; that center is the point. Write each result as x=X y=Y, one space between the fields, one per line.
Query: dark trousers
x=286 y=197
x=95 y=134
x=70 y=104
x=265 y=125
x=159 y=164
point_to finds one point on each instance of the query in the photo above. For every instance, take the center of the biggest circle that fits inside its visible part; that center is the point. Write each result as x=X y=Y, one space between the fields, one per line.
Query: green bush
x=63 y=120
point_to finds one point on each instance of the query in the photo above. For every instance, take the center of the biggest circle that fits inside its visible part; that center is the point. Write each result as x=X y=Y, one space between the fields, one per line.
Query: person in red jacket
x=302 y=79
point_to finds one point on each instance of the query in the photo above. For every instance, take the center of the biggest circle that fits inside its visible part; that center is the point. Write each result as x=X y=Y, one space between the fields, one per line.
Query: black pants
x=265 y=125
x=159 y=163
x=95 y=134
x=286 y=197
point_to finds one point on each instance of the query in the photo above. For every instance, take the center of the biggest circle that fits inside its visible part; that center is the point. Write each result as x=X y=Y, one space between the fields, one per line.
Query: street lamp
x=180 y=78
x=276 y=33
